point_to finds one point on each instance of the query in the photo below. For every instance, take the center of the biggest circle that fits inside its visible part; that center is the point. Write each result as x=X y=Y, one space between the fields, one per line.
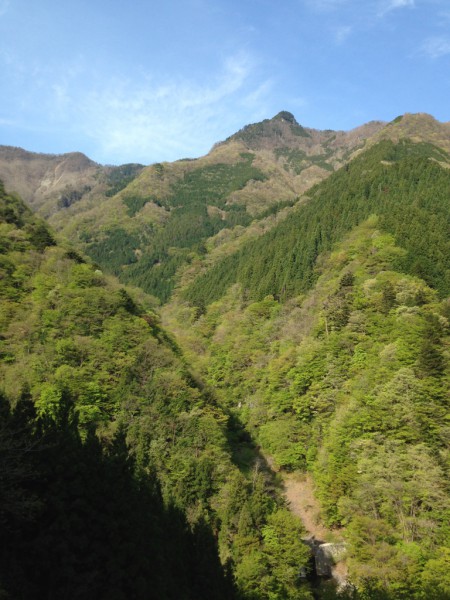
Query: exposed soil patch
x=299 y=492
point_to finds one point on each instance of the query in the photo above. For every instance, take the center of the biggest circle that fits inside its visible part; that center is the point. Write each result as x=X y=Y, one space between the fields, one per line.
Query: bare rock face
x=38 y=177
x=326 y=556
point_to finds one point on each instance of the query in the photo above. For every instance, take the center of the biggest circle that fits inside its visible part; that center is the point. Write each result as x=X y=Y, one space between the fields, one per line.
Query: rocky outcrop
x=326 y=556
x=37 y=178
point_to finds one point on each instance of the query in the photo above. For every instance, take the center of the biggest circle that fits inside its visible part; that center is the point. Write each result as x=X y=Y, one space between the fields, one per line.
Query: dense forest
x=328 y=338
x=349 y=382
x=197 y=209
x=118 y=469
x=144 y=449
x=398 y=182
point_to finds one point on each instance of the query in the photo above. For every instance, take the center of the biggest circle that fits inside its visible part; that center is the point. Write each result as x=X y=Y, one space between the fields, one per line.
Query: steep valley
x=284 y=296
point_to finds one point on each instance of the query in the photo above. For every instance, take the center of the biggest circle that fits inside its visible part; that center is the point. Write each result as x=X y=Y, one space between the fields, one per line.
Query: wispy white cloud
x=387 y=6
x=143 y=118
x=436 y=47
x=342 y=33
x=256 y=98
x=165 y=120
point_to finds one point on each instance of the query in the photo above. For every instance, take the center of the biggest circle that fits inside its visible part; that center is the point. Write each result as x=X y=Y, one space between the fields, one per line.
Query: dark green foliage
x=115 y=249
x=40 y=236
x=75 y=256
x=269 y=128
x=388 y=298
x=170 y=247
x=298 y=160
x=119 y=177
x=431 y=361
x=190 y=223
x=94 y=526
x=211 y=184
x=397 y=182
x=337 y=307
x=286 y=116
x=135 y=204
x=272 y=210
x=12 y=211
x=70 y=196
x=15 y=213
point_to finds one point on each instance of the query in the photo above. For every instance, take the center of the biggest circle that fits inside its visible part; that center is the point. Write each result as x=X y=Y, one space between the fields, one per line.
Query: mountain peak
x=284 y=115
x=419 y=127
x=280 y=131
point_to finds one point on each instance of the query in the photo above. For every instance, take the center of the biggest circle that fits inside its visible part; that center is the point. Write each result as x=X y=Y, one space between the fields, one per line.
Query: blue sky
x=145 y=81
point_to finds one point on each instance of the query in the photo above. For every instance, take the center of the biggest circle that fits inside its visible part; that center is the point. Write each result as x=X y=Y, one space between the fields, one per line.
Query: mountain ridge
x=165 y=215
x=41 y=178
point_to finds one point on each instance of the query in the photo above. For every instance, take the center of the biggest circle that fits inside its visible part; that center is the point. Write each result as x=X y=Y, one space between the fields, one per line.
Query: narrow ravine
x=298 y=489
x=299 y=493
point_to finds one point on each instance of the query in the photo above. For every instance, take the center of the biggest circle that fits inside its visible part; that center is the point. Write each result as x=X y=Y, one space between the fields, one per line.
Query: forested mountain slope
x=143 y=224
x=174 y=214
x=328 y=337
x=146 y=224
x=402 y=183
x=120 y=474
x=351 y=383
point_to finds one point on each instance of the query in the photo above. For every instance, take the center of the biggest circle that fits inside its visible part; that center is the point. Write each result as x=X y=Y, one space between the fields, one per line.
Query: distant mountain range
x=144 y=223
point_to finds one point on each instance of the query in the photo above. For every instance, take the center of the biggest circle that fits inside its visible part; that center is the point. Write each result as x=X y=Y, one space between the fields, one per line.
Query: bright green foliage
x=284 y=548
x=399 y=183
x=436 y=576
x=350 y=381
x=78 y=345
x=197 y=209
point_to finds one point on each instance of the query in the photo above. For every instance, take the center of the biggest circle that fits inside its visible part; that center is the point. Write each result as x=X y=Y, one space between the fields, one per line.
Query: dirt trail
x=299 y=492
